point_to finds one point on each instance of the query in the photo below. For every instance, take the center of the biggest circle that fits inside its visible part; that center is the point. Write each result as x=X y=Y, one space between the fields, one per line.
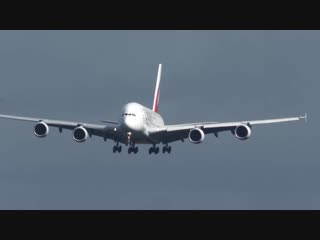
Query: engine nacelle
x=196 y=135
x=242 y=132
x=41 y=129
x=80 y=134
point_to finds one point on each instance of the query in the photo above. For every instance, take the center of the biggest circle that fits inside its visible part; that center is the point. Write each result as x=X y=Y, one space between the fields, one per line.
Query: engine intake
x=196 y=135
x=80 y=134
x=242 y=132
x=41 y=129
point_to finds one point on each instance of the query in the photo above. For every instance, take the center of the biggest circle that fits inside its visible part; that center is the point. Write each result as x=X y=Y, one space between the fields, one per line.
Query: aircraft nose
x=131 y=124
x=127 y=122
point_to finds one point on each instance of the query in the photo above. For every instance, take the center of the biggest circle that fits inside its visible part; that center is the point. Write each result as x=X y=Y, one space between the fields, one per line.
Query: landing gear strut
x=132 y=147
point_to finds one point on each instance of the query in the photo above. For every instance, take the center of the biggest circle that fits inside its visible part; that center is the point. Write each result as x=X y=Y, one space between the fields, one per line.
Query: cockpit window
x=128 y=114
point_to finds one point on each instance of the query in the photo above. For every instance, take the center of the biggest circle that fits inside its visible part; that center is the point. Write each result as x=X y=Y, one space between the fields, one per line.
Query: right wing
x=172 y=133
x=94 y=129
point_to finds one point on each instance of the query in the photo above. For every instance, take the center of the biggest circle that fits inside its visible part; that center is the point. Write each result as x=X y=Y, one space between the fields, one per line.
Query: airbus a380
x=138 y=124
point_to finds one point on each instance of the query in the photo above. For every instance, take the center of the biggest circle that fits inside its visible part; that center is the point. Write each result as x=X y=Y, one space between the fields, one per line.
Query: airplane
x=138 y=124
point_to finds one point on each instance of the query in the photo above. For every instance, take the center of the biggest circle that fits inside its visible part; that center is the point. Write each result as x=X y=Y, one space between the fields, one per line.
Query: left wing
x=93 y=129
x=172 y=133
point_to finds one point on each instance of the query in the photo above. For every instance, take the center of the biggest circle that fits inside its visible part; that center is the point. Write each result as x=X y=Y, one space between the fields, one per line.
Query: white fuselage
x=137 y=120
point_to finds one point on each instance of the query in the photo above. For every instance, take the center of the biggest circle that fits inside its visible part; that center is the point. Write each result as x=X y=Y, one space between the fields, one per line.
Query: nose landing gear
x=132 y=147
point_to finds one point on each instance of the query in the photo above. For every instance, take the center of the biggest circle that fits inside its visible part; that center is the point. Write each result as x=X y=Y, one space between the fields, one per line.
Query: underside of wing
x=84 y=130
x=196 y=131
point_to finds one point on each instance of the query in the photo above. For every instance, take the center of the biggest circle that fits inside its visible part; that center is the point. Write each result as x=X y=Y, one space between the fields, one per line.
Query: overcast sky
x=88 y=76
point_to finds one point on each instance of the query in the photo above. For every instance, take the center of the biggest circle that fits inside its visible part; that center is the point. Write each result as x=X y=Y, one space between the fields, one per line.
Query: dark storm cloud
x=207 y=76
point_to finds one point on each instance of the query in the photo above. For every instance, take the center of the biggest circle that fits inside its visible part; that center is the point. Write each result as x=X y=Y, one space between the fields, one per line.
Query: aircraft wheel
x=164 y=149
x=136 y=150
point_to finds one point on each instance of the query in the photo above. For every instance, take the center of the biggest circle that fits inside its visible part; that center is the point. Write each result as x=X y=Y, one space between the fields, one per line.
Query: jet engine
x=242 y=132
x=196 y=135
x=41 y=129
x=80 y=134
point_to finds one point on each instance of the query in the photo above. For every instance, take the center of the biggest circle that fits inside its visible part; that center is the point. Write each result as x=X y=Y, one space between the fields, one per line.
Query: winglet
x=157 y=91
x=305 y=117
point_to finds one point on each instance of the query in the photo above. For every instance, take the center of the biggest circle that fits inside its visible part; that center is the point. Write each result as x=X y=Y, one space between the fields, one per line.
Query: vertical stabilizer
x=157 y=91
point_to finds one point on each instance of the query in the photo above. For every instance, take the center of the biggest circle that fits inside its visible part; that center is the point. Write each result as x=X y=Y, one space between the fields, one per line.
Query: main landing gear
x=167 y=149
x=117 y=148
x=133 y=149
x=156 y=150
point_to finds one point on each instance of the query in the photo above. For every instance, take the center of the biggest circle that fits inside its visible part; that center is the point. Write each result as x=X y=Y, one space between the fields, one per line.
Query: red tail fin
x=157 y=91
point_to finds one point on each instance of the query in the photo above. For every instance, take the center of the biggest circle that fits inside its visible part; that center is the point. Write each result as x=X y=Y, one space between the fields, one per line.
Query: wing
x=172 y=133
x=93 y=129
